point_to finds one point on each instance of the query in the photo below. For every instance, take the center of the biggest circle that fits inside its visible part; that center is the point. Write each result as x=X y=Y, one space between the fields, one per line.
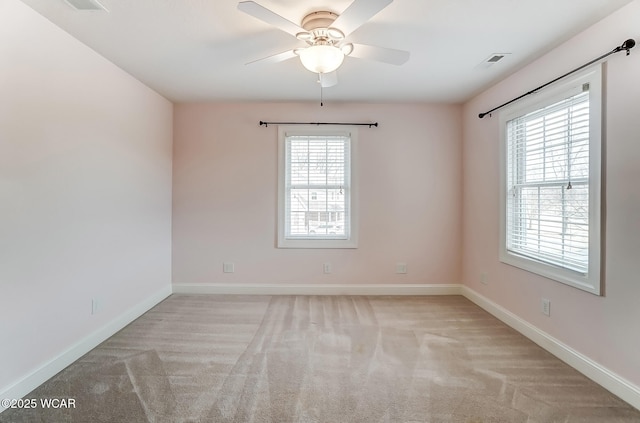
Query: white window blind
x=547 y=202
x=317 y=187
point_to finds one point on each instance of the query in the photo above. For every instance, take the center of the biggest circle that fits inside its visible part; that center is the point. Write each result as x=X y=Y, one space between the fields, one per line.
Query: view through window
x=316 y=187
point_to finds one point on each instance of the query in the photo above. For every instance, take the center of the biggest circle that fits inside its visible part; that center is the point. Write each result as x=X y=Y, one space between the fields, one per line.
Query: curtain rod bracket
x=627 y=46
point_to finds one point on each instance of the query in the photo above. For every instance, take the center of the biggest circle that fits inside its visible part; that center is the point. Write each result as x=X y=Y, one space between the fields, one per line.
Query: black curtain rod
x=266 y=124
x=627 y=45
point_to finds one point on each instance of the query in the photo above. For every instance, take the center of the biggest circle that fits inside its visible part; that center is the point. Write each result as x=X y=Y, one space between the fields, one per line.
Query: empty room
x=322 y=211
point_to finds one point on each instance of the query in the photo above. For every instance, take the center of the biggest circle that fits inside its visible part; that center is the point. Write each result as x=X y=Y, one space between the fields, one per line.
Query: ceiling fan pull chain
x=321 y=92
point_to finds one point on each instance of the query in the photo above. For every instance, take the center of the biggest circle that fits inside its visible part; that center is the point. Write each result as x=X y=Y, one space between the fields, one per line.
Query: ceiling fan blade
x=358 y=13
x=380 y=54
x=265 y=15
x=280 y=57
x=328 y=79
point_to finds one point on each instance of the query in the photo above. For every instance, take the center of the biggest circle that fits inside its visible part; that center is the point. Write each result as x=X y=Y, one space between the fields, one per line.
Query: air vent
x=492 y=60
x=495 y=58
x=86 y=5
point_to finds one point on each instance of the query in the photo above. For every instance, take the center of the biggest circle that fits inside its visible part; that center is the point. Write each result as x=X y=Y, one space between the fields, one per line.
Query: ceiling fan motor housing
x=320 y=31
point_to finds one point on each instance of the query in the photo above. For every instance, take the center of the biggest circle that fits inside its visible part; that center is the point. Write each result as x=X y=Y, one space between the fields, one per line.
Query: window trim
x=352 y=240
x=593 y=280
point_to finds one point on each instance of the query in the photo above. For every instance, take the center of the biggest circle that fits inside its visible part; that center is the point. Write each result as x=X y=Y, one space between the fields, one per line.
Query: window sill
x=317 y=243
x=578 y=280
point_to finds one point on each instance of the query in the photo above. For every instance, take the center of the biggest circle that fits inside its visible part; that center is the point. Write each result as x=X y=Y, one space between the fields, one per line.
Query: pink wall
x=602 y=328
x=85 y=191
x=225 y=185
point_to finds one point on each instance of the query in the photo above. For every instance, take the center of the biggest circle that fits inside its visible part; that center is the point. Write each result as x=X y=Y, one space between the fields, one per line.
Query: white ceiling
x=196 y=50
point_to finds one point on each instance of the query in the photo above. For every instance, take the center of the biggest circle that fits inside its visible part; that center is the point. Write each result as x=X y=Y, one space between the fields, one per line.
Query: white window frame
x=590 y=281
x=351 y=238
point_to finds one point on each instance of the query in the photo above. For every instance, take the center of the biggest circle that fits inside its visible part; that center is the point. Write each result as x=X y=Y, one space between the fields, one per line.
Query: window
x=316 y=193
x=550 y=197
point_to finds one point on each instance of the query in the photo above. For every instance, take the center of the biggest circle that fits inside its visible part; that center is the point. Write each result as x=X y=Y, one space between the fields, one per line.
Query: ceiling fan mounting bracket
x=320 y=19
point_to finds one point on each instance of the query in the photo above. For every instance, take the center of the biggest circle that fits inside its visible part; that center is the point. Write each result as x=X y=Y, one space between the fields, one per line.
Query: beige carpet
x=322 y=359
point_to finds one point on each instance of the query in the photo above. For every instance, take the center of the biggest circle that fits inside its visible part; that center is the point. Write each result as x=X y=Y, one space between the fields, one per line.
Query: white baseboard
x=319 y=289
x=594 y=371
x=80 y=348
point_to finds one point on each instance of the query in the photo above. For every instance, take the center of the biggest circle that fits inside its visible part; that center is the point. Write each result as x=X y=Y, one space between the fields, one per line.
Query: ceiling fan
x=325 y=34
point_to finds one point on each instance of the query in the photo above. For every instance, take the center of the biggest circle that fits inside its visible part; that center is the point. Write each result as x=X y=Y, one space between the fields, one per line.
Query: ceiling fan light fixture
x=321 y=58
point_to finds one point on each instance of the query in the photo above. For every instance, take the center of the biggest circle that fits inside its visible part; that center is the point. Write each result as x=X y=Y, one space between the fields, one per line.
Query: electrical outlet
x=484 y=279
x=96 y=305
x=326 y=268
x=545 y=306
x=401 y=268
x=228 y=267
